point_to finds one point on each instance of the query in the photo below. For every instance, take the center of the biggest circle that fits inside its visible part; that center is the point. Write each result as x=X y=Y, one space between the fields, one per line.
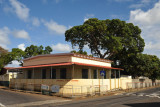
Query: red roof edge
x=68 y=63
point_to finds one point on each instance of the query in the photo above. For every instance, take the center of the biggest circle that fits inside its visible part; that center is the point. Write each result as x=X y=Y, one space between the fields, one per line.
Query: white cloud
x=88 y=16
x=141 y=3
x=14 y=64
x=21 y=46
x=20 y=9
x=4 y=40
x=150 y=17
x=55 y=27
x=21 y=34
x=149 y=22
x=35 y=21
x=61 y=47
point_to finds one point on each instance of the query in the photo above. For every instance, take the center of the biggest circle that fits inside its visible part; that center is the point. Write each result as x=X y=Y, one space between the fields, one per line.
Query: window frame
x=63 y=73
x=84 y=73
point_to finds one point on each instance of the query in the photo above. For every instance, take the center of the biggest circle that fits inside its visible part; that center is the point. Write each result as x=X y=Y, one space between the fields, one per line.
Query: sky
x=44 y=22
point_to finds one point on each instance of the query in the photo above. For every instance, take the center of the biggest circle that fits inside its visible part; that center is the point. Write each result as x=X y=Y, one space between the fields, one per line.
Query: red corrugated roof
x=69 y=54
x=9 y=68
x=68 y=63
x=46 y=65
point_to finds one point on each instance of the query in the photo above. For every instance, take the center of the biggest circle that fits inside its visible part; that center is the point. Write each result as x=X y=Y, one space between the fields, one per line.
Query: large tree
x=5 y=57
x=30 y=51
x=142 y=65
x=107 y=37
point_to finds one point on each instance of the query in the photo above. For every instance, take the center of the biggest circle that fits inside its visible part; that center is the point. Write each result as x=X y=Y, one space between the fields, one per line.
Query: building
x=67 y=71
x=6 y=75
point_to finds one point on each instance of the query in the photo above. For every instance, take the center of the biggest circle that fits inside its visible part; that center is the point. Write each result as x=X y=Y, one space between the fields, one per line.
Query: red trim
x=9 y=68
x=36 y=66
x=68 y=63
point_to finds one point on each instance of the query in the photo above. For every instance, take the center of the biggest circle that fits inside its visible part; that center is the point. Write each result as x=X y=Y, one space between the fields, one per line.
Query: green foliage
x=30 y=51
x=80 y=52
x=5 y=57
x=141 y=65
x=106 y=37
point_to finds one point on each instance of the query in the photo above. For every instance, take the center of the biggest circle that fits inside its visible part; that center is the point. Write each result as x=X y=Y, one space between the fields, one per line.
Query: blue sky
x=44 y=22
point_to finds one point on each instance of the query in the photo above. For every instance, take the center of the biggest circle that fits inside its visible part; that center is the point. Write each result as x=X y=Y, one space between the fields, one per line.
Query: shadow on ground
x=152 y=104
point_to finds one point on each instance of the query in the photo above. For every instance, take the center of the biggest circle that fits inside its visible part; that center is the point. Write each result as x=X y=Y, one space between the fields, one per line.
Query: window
x=29 y=74
x=63 y=73
x=84 y=73
x=53 y=74
x=44 y=74
x=95 y=74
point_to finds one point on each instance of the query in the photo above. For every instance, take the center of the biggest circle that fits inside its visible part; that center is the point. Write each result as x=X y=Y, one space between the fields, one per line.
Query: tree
x=80 y=52
x=30 y=51
x=107 y=37
x=34 y=50
x=5 y=57
x=141 y=65
x=18 y=55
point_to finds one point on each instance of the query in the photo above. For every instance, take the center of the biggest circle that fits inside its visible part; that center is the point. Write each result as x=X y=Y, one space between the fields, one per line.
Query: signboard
x=55 y=88
x=44 y=87
x=102 y=73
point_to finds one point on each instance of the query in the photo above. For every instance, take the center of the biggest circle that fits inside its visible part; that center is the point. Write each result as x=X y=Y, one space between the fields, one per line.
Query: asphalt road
x=20 y=99
x=147 y=98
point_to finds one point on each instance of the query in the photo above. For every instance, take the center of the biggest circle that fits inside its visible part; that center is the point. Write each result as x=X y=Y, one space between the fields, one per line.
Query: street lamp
x=117 y=62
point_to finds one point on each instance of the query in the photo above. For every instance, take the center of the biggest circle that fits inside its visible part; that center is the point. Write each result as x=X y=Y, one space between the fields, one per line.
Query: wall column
x=97 y=73
x=115 y=78
x=119 y=79
x=110 y=79
x=51 y=73
x=33 y=73
x=25 y=74
x=72 y=71
x=89 y=74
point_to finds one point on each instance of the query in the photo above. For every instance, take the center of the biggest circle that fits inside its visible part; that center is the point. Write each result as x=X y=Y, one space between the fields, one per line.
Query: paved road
x=147 y=98
x=20 y=99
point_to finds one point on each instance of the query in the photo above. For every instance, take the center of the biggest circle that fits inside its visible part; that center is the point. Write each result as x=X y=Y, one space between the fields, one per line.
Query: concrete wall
x=88 y=61
x=105 y=84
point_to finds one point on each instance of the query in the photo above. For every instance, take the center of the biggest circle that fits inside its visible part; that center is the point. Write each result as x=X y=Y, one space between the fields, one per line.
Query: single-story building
x=68 y=71
x=6 y=75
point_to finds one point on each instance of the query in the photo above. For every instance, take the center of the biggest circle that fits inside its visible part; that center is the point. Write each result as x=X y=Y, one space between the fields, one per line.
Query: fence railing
x=65 y=90
x=139 y=85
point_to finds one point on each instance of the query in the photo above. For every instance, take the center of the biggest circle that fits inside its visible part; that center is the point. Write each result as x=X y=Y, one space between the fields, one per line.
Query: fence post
x=72 y=90
x=81 y=91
